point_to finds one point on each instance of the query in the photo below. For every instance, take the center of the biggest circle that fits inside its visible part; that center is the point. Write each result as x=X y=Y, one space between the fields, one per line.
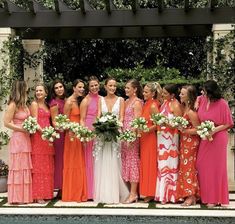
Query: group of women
x=164 y=164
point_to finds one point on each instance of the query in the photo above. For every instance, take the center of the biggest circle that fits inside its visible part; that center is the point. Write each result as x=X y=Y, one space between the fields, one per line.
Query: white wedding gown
x=109 y=186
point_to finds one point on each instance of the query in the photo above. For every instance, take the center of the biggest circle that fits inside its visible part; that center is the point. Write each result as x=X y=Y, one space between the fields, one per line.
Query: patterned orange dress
x=148 y=154
x=74 y=172
x=187 y=184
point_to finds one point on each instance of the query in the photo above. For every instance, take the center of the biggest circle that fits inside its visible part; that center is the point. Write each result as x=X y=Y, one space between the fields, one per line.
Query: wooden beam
x=85 y=6
x=11 y=7
x=134 y=6
x=35 y=7
x=60 y=6
x=160 y=5
x=186 y=5
x=109 y=6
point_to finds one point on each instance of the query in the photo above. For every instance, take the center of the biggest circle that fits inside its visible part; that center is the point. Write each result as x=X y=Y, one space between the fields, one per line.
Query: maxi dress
x=59 y=148
x=130 y=151
x=187 y=178
x=109 y=186
x=74 y=173
x=168 y=152
x=148 y=154
x=42 y=160
x=212 y=155
x=91 y=115
x=20 y=164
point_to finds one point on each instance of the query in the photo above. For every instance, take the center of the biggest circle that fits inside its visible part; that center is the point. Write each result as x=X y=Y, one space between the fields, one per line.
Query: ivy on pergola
x=87 y=22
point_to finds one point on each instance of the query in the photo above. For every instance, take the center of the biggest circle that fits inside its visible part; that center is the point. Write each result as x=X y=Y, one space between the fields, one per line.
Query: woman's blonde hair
x=18 y=93
x=156 y=88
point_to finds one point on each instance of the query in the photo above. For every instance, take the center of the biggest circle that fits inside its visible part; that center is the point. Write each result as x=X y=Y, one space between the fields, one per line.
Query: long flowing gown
x=43 y=160
x=91 y=115
x=130 y=151
x=168 y=151
x=212 y=155
x=74 y=173
x=148 y=154
x=187 y=184
x=109 y=186
x=20 y=164
x=59 y=148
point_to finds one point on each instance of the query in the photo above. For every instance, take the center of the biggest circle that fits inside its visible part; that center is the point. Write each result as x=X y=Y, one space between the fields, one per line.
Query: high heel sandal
x=148 y=199
x=131 y=199
x=210 y=205
x=189 y=201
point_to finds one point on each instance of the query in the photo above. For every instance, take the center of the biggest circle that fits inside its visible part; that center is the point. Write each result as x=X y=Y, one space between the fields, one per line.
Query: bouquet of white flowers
x=84 y=134
x=49 y=134
x=30 y=124
x=178 y=122
x=159 y=119
x=128 y=136
x=140 y=123
x=205 y=128
x=74 y=129
x=61 y=122
x=107 y=127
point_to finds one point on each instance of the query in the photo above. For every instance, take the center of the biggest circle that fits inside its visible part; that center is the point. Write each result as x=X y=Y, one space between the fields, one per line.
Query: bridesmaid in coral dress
x=57 y=107
x=212 y=155
x=148 y=143
x=187 y=185
x=168 y=148
x=20 y=165
x=74 y=173
x=42 y=151
x=130 y=152
x=89 y=111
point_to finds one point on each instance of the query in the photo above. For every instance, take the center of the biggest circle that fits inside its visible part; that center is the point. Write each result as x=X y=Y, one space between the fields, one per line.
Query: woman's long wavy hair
x=192 y=95
x=136 y=84
x=19 y=94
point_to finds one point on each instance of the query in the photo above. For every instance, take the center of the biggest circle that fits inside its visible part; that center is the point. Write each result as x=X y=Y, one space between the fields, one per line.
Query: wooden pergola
x=87 y=22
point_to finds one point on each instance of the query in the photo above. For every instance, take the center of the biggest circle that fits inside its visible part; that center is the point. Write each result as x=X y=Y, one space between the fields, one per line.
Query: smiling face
x=111 y=87
x=183 y=95
x=59 y=89
x=165 y=94
x=147 y=93
x=129 y=90
x=79 y=89
x=40 y=93
x=94 y=86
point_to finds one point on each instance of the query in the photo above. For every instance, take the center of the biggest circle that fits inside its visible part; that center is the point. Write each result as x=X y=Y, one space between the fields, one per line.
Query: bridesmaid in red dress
x=148 y=143
x=74 y=173
x=187 y=185
x=42 y=151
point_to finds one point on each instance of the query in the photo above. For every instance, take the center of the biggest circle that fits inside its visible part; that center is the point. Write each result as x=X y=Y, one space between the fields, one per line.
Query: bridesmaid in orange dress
x=148 y=143
x=187 y=185
x=74 y=173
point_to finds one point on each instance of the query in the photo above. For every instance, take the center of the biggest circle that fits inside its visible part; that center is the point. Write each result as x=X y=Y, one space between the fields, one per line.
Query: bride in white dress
x=109 y=186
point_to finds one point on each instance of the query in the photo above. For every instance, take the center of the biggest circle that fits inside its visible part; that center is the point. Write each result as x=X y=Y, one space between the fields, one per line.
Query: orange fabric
x=148 y=155
x=74 y=173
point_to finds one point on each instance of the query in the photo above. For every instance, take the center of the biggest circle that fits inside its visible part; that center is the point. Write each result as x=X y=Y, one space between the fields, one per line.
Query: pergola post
x=5 y=33
x=219 y=31
x=33 y=73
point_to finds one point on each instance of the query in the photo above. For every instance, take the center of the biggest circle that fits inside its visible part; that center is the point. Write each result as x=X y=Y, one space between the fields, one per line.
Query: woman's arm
x=8 y=118
x=83 y=111
x=54 y=112
x=176 y=108
x=137 y=109
x=34 y=112
x=67 y=107
x=122 y=109
x=194 y=119
x=153 y=110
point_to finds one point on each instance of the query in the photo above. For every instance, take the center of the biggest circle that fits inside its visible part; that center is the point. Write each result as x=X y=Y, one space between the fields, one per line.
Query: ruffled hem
x=20 y=161
x=20 y=177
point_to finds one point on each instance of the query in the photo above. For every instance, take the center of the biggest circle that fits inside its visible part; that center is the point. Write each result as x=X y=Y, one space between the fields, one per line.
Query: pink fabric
x=59 y=148
x=212 y=155
x=43 y=161
x=20 y=165
x=130 y=151
x=91 y=115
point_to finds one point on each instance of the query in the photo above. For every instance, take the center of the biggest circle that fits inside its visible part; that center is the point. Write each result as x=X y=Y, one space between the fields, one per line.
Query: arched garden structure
x=34 y=22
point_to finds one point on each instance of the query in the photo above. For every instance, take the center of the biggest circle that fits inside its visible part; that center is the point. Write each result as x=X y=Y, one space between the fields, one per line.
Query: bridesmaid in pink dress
x=20 y=165
x=130 y=152
x=42 y=151
x=212 y=155
x=88 y=113
x=57 y=107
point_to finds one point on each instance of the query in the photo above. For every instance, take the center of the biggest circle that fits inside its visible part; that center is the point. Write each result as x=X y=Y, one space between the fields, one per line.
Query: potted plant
x=4 y=138
x=3 y=176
